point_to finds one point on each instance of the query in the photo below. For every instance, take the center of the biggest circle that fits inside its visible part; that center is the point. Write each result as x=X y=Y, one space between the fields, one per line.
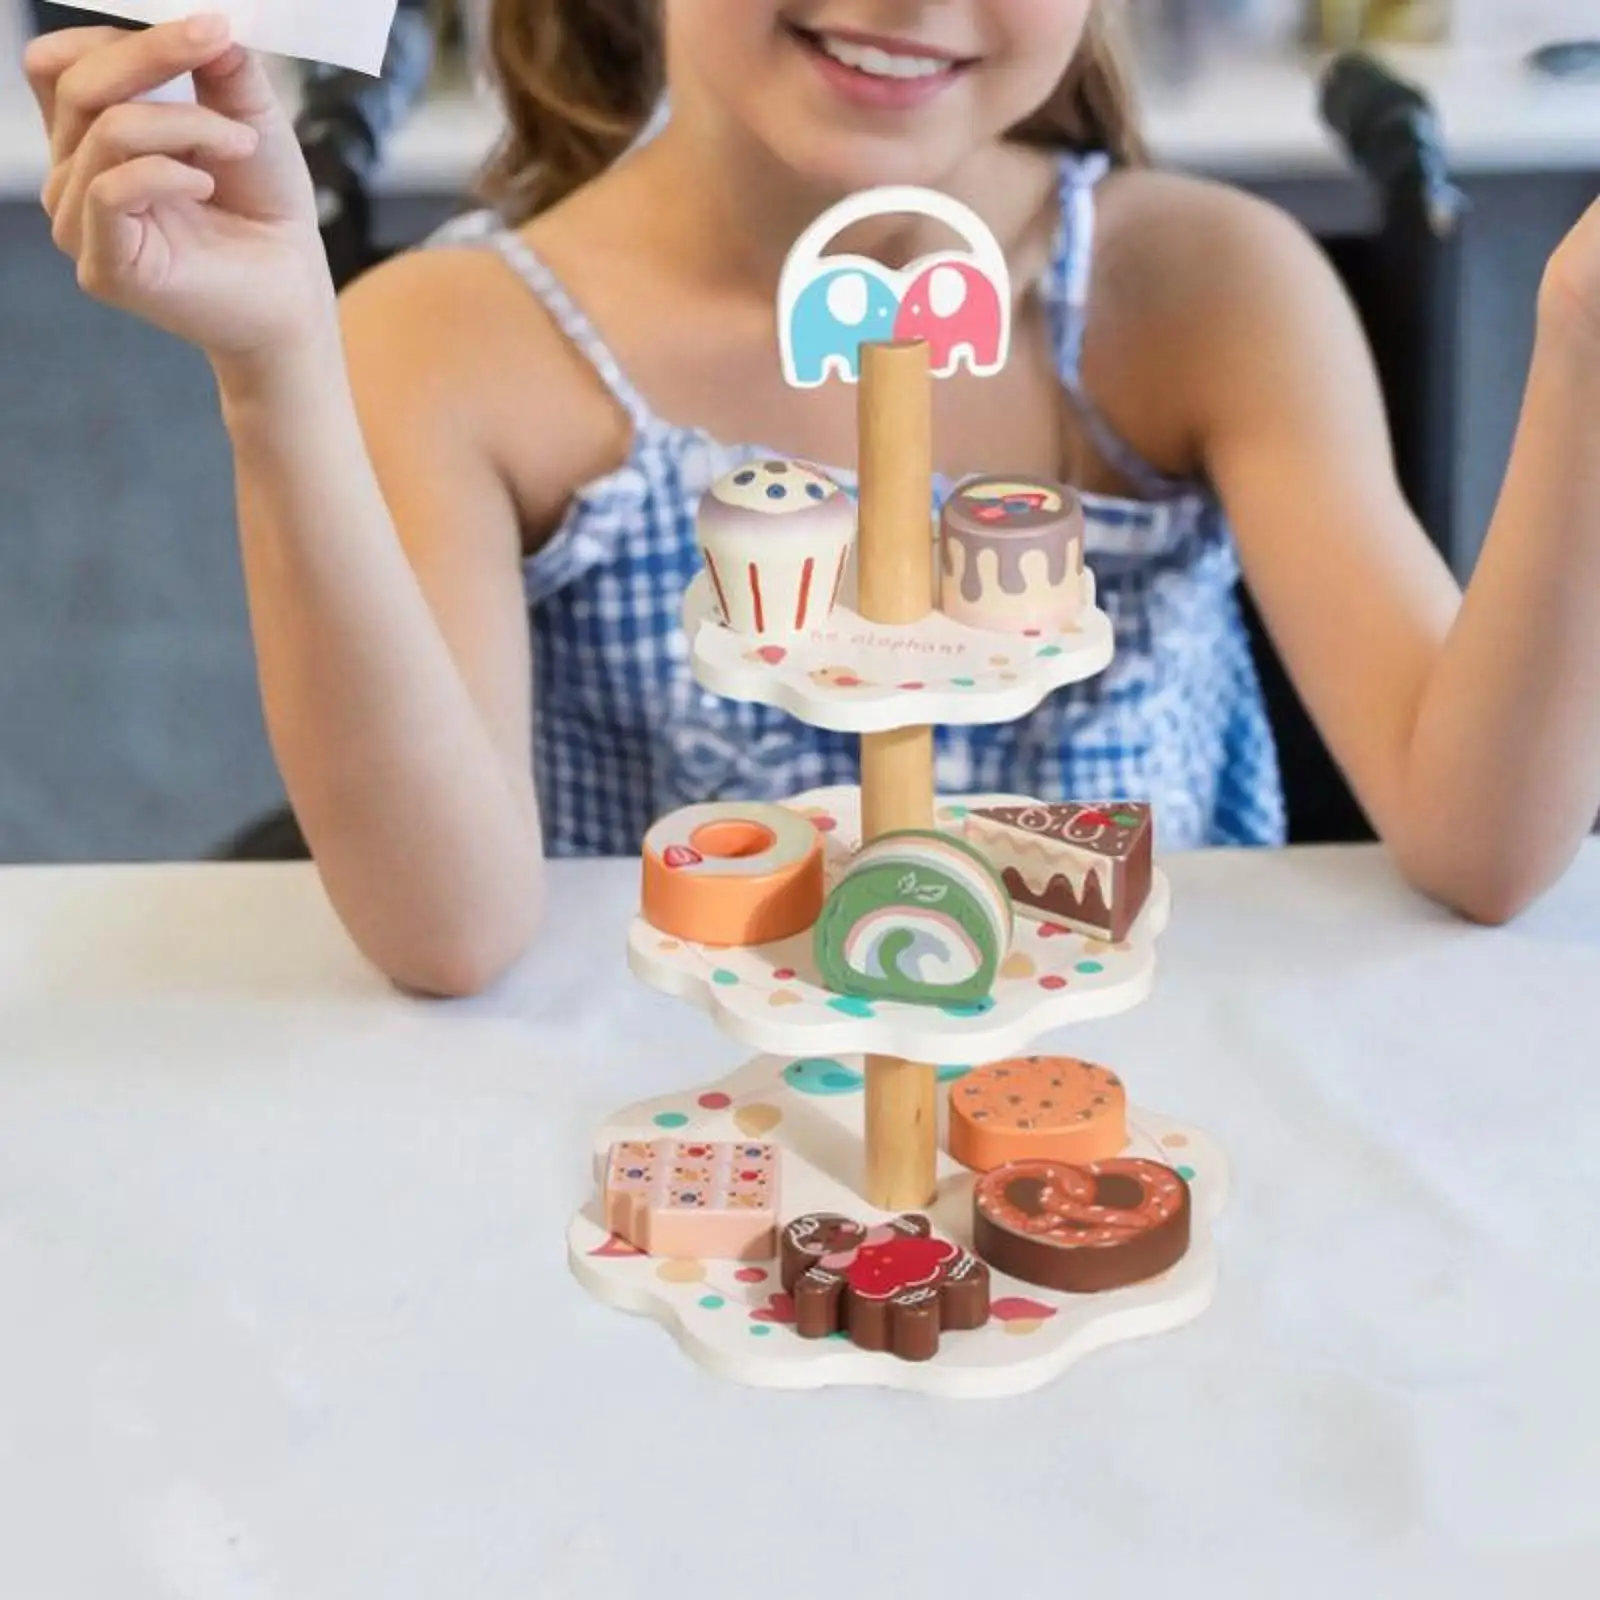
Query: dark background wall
x=129 y=723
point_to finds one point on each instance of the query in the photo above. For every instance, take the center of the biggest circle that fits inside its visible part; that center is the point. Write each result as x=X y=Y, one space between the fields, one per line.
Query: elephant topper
x=957 y=302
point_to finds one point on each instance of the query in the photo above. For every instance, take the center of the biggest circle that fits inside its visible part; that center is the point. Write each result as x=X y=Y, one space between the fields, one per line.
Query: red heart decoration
x=780 y=1308
x=680 y=855
x=772 y=654
x=1053 y=930
x=1016 y=1308
x=615 y=1245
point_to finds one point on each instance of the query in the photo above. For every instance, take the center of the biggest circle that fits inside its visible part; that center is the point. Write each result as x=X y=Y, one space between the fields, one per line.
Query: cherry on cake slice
x=1086 y=866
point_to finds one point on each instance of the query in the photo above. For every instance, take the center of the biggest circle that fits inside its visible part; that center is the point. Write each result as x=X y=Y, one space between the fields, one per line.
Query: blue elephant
x=833 y=317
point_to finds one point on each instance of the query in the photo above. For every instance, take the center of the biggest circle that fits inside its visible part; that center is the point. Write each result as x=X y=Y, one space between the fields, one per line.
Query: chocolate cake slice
x=1088 y=867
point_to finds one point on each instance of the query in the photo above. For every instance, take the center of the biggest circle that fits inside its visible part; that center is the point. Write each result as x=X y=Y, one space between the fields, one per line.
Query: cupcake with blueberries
x=776 y=538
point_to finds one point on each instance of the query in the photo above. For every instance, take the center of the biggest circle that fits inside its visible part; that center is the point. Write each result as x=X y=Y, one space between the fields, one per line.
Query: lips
x=853 y=39
x=877 y=72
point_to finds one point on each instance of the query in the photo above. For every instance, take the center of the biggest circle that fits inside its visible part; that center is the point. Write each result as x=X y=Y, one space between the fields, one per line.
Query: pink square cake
x=694 y=1199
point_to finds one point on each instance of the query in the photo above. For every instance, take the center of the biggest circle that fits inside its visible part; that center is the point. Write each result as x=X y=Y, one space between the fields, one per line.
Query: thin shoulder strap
x=1070 y=278
x=531 y=268
x=1074 y=263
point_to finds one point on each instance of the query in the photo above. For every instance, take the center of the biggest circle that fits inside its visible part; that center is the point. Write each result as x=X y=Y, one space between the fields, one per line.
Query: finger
x=236 y=84
x=191 y=133
x=134 y=65
x=49 y=55
x=115 y=207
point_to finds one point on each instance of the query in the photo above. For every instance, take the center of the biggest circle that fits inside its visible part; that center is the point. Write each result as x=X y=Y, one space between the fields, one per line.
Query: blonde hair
x=579 y=81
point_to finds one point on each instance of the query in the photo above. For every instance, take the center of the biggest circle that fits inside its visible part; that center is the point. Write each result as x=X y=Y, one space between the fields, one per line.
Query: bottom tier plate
x=734 y=1319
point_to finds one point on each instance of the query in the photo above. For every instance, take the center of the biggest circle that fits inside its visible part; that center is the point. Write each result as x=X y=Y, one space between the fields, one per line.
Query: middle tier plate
x=771 y=998
x=855 y=676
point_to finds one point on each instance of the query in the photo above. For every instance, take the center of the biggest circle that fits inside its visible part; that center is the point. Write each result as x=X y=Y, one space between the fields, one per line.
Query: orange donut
x=731 y=873
x=1037 y=1108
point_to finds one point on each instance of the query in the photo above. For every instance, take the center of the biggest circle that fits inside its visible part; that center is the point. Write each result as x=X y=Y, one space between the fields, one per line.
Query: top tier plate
x=854 y=676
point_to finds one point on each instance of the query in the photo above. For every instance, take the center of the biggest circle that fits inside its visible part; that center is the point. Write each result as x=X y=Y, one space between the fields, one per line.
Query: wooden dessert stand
x=853 y=1094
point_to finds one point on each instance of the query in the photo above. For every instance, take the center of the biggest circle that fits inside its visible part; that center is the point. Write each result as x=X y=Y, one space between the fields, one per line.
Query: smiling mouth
x=886 y=61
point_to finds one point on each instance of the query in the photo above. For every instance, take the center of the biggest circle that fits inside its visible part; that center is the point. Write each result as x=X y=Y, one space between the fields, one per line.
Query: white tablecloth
x=286 y=1309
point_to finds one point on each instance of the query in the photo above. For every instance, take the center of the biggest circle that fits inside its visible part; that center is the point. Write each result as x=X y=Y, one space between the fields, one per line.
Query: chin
x=837 y=163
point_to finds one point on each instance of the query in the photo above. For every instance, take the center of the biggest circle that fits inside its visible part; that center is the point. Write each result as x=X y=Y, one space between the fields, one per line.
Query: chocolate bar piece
x=1088 y=867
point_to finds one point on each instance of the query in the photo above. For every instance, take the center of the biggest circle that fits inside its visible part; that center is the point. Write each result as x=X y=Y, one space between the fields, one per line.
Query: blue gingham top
x=623 y=733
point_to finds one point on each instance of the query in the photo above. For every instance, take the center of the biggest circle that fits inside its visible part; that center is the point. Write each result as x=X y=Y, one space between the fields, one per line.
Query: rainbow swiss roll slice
x=919 y=917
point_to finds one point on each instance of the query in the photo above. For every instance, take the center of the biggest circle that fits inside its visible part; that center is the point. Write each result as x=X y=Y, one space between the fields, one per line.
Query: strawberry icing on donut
x=728 y=873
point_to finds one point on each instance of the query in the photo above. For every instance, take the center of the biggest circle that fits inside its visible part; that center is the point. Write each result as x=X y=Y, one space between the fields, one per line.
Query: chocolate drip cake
x=1013 y=555
x=1088 y=867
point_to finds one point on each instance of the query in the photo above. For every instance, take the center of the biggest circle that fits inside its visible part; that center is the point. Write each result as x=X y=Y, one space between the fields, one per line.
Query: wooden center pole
x=894 y=557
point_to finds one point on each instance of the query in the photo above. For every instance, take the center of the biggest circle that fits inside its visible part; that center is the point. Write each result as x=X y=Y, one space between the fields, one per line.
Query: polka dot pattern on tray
x=739 y=1311
x=855 y=676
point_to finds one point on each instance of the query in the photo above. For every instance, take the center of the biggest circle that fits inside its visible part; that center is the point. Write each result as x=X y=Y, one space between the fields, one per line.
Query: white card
x=343 y=33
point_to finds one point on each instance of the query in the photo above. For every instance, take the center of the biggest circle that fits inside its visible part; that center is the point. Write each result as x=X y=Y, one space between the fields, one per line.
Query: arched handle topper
x=958 y=302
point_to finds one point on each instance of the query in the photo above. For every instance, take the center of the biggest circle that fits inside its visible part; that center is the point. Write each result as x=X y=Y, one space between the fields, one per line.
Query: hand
x=199 y=218
x=1570 y=295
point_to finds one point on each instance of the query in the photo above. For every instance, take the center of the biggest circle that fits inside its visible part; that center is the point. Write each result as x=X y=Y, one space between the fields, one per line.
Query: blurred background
x=129 y=722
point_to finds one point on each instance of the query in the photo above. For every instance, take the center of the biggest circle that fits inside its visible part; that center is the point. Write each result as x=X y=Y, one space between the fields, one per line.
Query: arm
x=1513 y=704
x=381 y=544
x=381 y=552
x=1448 y=716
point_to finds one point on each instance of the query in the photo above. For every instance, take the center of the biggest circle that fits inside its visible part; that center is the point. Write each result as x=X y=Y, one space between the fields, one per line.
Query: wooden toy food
x=1088 y=867
x=694 y=1200
x=732 y=873
x=1050 y=1108
x=919 y=916
x=891 y=1287
x=1081 y=1229
x=1012 y=555
x=879 y=612
x=776 y=539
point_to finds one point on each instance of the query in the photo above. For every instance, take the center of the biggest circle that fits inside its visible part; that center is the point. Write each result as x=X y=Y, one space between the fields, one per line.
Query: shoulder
x=1193 y=279
x=447 y=342
x=1214 y=265
x=1173 y=236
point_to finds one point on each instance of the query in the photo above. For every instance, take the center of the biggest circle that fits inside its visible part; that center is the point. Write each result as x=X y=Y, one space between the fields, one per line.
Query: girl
x=466 y=494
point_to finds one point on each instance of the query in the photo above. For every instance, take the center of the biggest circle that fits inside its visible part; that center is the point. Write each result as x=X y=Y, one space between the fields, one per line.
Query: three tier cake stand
x=853 y=1093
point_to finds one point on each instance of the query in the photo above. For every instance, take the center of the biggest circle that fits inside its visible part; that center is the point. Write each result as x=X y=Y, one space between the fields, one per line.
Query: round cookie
x=1081 y=1230
x=1012 y=555
x=1037 y=1108
x=776 y=538
x=730 y=873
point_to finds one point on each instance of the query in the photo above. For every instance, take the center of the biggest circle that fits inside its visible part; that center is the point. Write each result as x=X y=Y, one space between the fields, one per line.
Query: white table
x=287 y=1312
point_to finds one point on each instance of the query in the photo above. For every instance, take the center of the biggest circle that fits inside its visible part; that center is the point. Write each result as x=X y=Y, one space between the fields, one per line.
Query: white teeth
x=880 y=63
